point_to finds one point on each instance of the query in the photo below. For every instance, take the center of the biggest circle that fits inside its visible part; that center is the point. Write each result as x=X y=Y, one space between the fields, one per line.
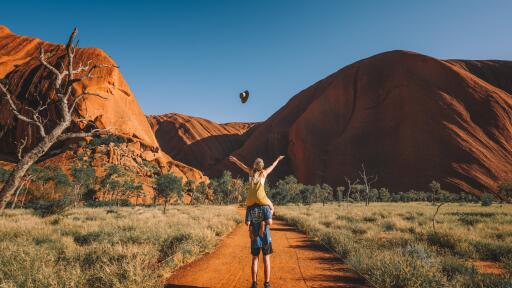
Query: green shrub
x=453 y=267
x=170 y=245
x=388 y=226
x=397 y=268
x=370 y=219
x=489 y=250
x=89 y=237
x=469 y=220
x=442 y=240
x=486 y=199
x=52 y=207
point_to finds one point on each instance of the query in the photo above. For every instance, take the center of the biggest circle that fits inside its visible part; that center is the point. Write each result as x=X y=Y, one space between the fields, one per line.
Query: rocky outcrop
x=198 y=142
x=408 y=117
x=29 y=82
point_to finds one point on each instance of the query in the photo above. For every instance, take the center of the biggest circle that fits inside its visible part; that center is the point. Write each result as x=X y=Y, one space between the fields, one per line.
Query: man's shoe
x=254 y=285
x=266 y=285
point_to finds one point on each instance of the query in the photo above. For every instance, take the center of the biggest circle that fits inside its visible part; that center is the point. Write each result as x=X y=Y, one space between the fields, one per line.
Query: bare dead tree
x=350 y=183
x=368 y=181
x=65 y=103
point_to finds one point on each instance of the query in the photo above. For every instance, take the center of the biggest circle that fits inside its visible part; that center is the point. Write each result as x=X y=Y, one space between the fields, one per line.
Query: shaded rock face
x=29 y=81
x=198 y=142
x=408 y=117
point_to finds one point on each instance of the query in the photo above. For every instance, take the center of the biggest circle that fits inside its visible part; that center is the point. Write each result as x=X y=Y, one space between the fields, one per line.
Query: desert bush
x=52 y=207
x=442 y=240
x=398 y=268
x=487 y=199
x=453 y=267
x=469 y=220
x=388 y=226
x=491 y=250
x=370 y=218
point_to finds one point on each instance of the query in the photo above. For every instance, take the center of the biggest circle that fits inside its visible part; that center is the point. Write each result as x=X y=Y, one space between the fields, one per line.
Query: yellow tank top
x=256 y=193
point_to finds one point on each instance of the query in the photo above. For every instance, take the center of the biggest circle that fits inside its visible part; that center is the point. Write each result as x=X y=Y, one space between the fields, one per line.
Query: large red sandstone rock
x=409 y=118
x=119 y=111
x=198 y=142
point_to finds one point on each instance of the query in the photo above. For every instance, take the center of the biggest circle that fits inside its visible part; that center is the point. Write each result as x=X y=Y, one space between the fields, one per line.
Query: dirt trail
x=296 y=262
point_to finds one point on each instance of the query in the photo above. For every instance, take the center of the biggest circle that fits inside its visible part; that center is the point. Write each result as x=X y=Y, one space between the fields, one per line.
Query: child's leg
x=271 y=206
x=262 y=228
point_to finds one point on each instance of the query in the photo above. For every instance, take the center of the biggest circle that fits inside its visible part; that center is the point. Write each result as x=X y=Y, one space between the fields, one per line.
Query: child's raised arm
x=239 y=164
x=271 y=167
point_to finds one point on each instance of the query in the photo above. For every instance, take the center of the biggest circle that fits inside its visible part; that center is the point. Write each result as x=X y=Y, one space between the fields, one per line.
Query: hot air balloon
x=244 y=96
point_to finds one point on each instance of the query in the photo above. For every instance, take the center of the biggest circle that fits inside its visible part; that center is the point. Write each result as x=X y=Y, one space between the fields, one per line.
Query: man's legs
x=254 y=268
x=266 y=263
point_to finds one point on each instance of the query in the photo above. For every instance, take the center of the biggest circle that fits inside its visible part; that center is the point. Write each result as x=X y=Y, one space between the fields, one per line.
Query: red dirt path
x=296 y=262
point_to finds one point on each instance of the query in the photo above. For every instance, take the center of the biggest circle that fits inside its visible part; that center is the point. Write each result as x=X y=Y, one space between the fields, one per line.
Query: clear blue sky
x=194 y=57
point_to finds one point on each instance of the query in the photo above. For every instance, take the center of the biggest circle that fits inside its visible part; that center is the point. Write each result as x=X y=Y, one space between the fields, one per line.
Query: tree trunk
x=165 y=205
x=26 y=192
x=16 y=197
x=24 y=197
x=76 y=194
x=27 y=160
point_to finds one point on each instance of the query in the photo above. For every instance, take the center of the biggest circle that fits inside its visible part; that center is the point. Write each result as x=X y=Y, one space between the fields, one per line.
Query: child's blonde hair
x=258 y=165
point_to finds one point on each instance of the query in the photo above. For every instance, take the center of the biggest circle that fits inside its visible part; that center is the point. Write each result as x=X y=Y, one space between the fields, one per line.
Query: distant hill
x=408 y=117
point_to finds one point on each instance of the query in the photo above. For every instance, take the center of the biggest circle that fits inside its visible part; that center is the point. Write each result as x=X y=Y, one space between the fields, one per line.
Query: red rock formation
x=195 y=141
x=119 y=111
x=408 y=117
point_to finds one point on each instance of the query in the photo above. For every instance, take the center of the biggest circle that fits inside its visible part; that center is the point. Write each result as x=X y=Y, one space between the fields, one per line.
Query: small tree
x=384 y=195
x=200 y=195
x=222 y=187
x=287 y=190
x=83 y=180
x=189 y=186
x=167 y=185
x=307 y=193
x=135 y=189
x=435 y=188
x=325 y=193
x=112 y=182
x=236 y=190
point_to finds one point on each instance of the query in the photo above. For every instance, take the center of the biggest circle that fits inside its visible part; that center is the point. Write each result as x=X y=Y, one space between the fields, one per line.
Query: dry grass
x=393 y=244
x=94 y=247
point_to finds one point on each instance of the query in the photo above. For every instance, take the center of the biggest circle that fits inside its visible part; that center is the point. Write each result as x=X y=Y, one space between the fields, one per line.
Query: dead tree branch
x=368 y=181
